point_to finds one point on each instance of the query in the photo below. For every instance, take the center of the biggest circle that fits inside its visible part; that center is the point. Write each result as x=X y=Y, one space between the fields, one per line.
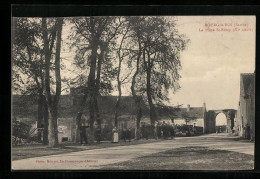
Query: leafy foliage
x=188 y=118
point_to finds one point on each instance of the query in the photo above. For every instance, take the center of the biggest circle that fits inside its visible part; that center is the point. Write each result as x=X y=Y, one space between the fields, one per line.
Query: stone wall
x=210 y=122
x=245 y=118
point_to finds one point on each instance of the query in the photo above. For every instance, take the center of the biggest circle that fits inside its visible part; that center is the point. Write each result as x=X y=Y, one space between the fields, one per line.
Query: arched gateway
x=210 y=120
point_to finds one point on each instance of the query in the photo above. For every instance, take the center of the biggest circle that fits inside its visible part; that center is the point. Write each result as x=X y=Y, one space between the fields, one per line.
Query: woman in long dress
x=115 y=135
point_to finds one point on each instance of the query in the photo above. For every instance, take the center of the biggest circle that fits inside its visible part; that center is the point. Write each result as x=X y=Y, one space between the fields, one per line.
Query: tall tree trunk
x=80 y=108
x=137 y=99
x=103 y=48
x=119 y=95
x=40 y=117
x=78 y=125
x=53 y=130
x=138 y=117
x=118 y=103
x=149 y=97
x=153 y=116
x=99 y=121
x=44 y=104
x=54 y=109
x=92 y=118
x=52 y=103
x=92 y=88
x=46 y=122
x=118 y=79
x=47 y=54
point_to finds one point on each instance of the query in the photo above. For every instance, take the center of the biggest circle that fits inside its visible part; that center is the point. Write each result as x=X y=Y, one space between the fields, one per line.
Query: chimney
x=204 y=107
x=188 y=108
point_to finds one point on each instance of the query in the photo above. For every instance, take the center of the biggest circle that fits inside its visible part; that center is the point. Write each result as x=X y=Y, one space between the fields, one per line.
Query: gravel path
x=96 y=158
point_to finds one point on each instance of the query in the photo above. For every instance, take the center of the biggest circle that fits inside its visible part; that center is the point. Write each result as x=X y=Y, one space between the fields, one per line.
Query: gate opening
x=221 y=123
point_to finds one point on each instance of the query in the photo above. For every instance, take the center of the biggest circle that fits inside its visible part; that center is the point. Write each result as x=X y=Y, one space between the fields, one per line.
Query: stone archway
x=221 y=123
x=210 y=121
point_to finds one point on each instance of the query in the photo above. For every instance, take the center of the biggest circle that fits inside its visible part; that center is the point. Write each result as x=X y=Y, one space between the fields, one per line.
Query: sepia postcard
x=133 y=93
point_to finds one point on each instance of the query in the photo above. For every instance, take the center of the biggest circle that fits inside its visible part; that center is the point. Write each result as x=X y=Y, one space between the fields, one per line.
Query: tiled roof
x=196 y=112
x=26 y=106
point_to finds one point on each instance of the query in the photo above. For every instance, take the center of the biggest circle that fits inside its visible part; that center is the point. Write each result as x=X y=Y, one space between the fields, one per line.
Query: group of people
x=163 y=130
x=125 y=135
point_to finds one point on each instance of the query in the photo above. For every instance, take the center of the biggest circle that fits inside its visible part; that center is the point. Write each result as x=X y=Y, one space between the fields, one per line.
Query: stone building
x=196 y=115
x=245 y=117
x=25 y=109
x=210 y=124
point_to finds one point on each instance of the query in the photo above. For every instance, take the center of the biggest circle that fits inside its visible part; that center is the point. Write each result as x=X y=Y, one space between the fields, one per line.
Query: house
x=194 y=115
x=24 y=108
x=245 y=117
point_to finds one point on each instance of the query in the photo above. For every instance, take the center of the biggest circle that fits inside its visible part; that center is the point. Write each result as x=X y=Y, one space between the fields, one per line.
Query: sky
x=212 y=61
x=221 y=119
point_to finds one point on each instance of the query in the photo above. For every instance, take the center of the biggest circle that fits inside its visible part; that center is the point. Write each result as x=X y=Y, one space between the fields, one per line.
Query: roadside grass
x=188 y=158
x=37 y=150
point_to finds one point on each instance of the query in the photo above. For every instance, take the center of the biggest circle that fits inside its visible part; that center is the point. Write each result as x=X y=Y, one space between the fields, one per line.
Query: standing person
x=164 y=132
x=115 y=135
x=247 y=131
x=172 y=132
x=188 y=131
x=146 y=132
x=158 y=130
x=83 y=134
x=129 y=134
x=142 y=130
x=169 y=129
x=155 y=131
x=98 y=135
x=124 y=134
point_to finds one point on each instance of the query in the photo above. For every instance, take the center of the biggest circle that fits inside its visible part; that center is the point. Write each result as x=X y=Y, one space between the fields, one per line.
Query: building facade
x=245 y=117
